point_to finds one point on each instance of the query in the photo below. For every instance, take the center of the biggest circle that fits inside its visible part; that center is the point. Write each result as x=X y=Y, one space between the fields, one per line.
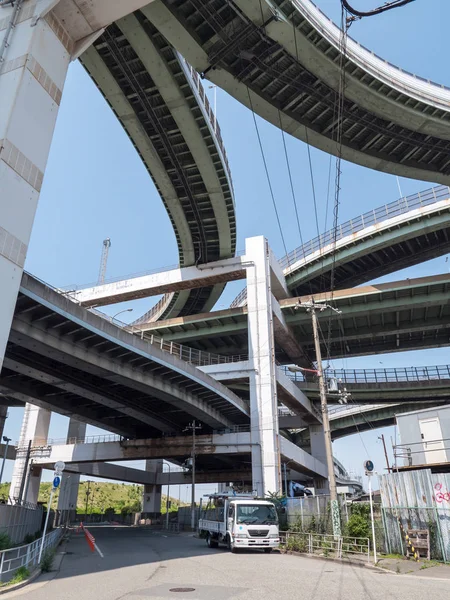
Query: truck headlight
x=240 y=535
x=274 y=535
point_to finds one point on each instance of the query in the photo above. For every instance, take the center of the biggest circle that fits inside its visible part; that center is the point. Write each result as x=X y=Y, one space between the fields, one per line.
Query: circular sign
x=60 y=465
x=56 y=481
x=368 y=466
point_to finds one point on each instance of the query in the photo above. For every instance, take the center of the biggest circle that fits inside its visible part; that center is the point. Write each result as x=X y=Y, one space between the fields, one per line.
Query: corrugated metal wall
x=420 y=500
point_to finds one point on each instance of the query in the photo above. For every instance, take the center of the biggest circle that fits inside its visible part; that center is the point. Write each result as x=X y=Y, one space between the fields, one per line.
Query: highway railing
x=368 y=219
x=376 y=216
x=395 y=375
x=411 y=84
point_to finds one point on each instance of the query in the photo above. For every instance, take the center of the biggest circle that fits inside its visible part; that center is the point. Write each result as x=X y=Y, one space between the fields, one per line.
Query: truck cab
x=240 y=522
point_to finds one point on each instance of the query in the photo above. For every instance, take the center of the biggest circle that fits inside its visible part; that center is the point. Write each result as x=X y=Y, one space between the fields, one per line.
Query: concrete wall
x=410 y=434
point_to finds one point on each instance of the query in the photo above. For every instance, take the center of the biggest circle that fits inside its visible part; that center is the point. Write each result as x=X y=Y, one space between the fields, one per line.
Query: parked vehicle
x=240 y=521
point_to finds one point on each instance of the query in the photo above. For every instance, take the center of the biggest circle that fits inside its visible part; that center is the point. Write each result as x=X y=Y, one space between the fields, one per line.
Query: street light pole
x=120 y=312
x=6 y=440
x=167 y=499
x=326 y=423
x=193 y=426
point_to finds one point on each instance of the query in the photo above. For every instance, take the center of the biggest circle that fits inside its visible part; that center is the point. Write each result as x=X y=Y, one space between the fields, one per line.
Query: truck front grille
x=258 y=532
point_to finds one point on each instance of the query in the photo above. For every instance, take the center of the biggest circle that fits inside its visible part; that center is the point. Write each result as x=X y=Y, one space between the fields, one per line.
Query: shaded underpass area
x=140 y=564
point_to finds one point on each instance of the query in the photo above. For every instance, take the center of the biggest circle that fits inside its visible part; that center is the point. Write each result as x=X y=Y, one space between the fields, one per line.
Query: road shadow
x=130 y=546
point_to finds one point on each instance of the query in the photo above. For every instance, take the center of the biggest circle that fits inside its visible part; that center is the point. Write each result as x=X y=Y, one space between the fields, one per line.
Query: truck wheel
x=268 y=550
x=210 y=542
x=231 y=546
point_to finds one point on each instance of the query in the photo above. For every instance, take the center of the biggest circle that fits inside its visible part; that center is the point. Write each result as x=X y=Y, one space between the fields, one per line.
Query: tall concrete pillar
x=33 y=67
x=151 y=501
x=35 y=425
x=318 y=450
x=266 y=473
x=68 y=493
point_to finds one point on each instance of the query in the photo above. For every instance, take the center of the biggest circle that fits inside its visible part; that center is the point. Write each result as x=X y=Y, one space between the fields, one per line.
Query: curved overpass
x=391 y=237
x=283 y=60
x=162 y=106
x=67 y=359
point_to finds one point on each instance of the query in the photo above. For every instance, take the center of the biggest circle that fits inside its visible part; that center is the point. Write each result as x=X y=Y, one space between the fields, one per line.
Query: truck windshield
x=256 y=514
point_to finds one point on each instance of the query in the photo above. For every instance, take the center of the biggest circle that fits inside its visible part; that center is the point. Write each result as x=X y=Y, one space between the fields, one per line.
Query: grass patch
x=22 y=573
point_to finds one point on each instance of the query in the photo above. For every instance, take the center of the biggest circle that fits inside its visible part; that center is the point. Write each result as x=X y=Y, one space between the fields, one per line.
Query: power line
x=294 y=199
x=375 y=11
x=267 y=171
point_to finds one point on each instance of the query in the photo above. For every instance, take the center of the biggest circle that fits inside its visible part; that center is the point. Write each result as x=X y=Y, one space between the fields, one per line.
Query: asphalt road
x=141 y=565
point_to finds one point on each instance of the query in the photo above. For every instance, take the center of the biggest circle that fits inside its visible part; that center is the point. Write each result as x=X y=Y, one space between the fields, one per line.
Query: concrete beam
x=285 y=338
x=301 y=460
x=187 y=278
x=298 y=403
x=166 y=447
x=229 y=371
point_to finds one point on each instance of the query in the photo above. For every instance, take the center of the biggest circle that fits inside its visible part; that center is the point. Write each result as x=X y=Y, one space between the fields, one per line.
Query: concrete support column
x=266 y=473
x=35 y=425
x=318 y=450
x=33 y=67
x=68 y=494
x=151 y=501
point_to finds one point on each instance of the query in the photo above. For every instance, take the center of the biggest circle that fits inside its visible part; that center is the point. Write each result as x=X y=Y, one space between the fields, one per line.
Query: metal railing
x=368 y=219
x=318 y=543
x=201 y=95
x=200 y=358
x=373 y=64
x=373 y=217
x=394 y=375
x=27 y=555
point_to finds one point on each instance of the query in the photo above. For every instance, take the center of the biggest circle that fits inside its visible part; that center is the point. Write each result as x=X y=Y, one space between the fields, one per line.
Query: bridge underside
x=387 y=317
x=244 y=49
x=149 y=88
x=75 y=363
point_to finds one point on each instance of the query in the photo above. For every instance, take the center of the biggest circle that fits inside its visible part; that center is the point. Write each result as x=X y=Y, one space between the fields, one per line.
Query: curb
x=342 y=561
x=362 y=565
x=12 y=588
x=37 y=572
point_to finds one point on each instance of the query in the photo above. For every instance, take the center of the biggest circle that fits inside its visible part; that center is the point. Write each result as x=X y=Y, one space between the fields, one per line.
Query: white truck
x=239 y=521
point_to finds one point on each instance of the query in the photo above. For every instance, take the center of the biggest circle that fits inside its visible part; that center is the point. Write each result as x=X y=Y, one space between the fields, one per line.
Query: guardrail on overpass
x=372 y=217
x=400 y=374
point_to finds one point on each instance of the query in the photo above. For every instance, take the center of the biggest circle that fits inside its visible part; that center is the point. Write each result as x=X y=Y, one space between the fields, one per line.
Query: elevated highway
x=162 y=106
x=384 y=317
x=386 y=239
x=283 y=60
x=64 y=358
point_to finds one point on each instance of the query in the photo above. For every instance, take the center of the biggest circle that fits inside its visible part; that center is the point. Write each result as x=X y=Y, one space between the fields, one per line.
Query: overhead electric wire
x=375 y=11
x=267 y=171
x=294 y=199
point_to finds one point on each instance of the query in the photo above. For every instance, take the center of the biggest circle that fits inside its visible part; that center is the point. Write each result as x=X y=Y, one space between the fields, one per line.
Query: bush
x=5 y=541
x=29 y=538
x=22 y=573
x=47 y=560
x=358 y=526
x=297 y=544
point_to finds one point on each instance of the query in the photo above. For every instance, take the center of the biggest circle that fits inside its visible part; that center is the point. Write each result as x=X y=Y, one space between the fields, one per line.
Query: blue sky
x=96 y=186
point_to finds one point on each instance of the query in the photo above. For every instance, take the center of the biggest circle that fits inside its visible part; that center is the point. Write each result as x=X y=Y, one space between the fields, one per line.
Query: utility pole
x=193 y=427
x=87 y=500
x=381 y=437
x=311 y=307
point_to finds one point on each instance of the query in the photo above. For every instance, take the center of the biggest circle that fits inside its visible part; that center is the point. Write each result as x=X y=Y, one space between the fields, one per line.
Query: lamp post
x=120 y=312
x=6 y=440
x=167 y=498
